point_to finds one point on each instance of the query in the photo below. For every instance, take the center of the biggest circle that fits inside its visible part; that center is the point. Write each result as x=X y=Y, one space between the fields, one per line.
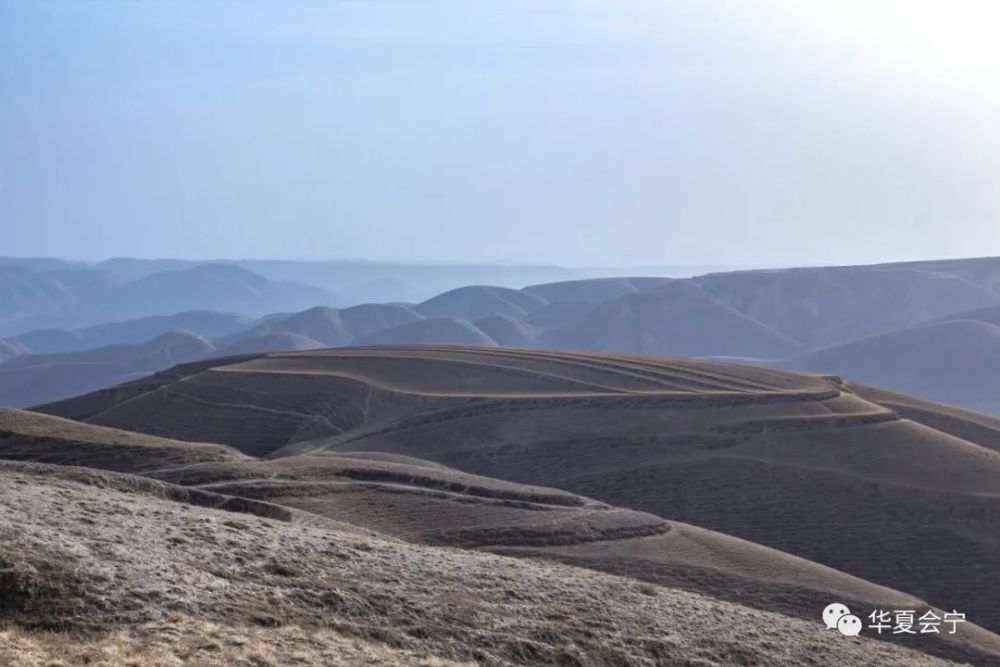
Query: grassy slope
x=95 y=559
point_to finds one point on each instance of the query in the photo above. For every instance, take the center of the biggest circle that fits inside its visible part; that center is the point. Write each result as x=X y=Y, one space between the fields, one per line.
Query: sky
x=590 y=133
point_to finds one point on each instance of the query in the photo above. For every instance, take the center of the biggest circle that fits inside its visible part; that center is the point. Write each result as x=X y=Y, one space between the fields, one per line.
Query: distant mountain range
x=208 y=323
x=86 y=297
x=52 y=293
x=931 y=328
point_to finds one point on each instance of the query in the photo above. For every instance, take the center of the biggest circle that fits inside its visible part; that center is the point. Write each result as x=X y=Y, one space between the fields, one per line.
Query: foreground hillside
x=91 y=553
x=425 y=502
x=180 y=640
x=803 y=464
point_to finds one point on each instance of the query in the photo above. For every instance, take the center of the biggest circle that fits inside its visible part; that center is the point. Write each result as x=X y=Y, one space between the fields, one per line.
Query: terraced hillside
x=357 y=498
x=802 y=463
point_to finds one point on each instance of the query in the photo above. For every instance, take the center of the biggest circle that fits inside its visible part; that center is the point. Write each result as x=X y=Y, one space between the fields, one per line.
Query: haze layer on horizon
x=763 y=132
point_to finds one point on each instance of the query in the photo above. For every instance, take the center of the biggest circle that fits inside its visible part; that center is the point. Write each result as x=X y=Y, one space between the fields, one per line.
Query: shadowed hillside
x=679 y=318
x=269 y=343
x=31 y=378
x=507 y=331
x=28 y=436
x=595 y=290
x=954 y=361
x=332 y=326
x=84 y=297
x=27 y=293
x=451 y=330
x=832 y=305
x=480 y=301
x=210 y=324
x=989 y=315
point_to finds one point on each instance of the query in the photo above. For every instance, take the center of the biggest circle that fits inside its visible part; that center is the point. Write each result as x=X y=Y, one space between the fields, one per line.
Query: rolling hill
x=268 y=343
x=507 y=331
x=333 y=326
x=453 y=330
x=480 y=301
x=208 y=287
x=804 y=464
x=371 y=500
x=679 y=318
x=558 y=313
x=83 y=297
x=955 y=361
x=821 y=307
x=595 y=290
x=44 y=377
x=207 y=323
x=28 y=436
x=106 y=555
x=26 y=293
x=28 y=379
x=990 y=315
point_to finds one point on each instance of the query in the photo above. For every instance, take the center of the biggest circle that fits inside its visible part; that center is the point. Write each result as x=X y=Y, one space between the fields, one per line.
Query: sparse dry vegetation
x=181 y=641
x=131 y=570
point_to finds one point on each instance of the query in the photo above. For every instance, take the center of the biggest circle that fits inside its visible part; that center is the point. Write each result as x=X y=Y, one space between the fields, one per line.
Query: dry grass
x=182 y=641
x=130 y=559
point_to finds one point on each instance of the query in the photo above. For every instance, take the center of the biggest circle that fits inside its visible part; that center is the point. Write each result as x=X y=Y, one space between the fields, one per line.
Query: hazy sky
x=601 y=132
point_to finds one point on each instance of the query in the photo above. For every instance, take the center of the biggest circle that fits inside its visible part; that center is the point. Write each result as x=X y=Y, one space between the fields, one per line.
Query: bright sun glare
x=955 y=38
